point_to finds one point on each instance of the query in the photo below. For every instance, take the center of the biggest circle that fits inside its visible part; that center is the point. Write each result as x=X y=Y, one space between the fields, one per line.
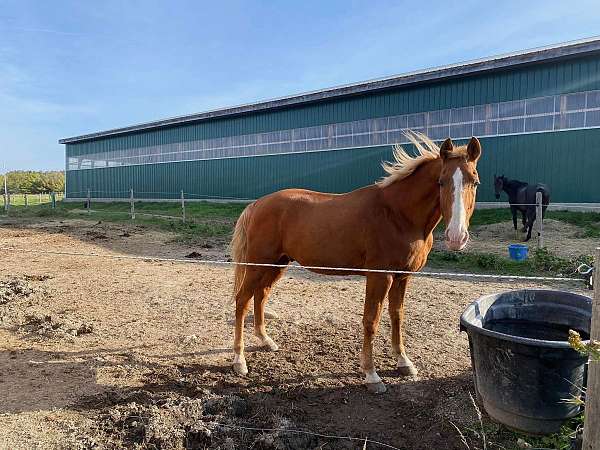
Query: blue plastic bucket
x=518 y=252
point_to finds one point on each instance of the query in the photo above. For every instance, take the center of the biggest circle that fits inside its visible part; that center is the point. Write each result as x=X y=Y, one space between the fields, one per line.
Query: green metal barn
x=537 y=113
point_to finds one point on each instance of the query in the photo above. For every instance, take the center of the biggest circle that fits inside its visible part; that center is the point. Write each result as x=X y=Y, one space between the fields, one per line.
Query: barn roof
x=490 y=64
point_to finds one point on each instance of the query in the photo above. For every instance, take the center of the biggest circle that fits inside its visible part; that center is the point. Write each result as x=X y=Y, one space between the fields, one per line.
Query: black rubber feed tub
x=524 y=368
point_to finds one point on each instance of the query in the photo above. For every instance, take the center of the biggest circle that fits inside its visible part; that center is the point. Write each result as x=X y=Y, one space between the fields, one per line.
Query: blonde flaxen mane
x=405 y=164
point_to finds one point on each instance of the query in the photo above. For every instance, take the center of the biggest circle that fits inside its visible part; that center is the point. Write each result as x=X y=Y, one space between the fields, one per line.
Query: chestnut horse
x=387 y=225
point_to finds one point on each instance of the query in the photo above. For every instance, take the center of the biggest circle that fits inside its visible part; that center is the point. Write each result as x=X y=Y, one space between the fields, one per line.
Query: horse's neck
x=416 y=199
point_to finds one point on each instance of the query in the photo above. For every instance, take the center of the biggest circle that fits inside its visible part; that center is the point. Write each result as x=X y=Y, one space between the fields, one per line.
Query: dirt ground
x=560 y=238
x=106 y=353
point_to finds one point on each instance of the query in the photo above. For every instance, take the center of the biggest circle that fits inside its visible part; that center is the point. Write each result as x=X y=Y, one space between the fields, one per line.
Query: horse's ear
x=446 y=148
x=474 y=149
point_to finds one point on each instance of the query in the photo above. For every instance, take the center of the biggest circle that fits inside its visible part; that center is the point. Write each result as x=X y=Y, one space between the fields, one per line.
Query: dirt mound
x=37 y=277
x=95 y=235
x=46 y=325
x=23 y=309
x=173 y=422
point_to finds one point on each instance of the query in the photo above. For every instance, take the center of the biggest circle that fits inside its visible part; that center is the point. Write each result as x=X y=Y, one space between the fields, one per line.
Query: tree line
x=33 y=182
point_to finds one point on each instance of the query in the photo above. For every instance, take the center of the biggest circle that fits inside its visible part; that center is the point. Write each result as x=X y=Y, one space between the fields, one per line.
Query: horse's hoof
x=240 y=369
x=271 y=314
x=376 y=388
x=408 y=371
x=269 y=344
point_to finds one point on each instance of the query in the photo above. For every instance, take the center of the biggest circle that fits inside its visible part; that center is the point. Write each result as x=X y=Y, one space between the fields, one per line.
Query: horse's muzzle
x=457 y=244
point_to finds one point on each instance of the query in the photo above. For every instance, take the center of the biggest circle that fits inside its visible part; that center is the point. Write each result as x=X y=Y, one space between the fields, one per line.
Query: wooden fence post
x=53 y=199
x=591 y=429
x=89 y=201
x=40 y=198
x=540 y=218
x=6 y=196
x=132 y=204
x=25 y=200
x=182 y=206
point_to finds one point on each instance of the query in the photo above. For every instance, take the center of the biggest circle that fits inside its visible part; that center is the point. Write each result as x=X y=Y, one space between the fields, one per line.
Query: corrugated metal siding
x=334 y=171
x=569 y=162
x=532 y=81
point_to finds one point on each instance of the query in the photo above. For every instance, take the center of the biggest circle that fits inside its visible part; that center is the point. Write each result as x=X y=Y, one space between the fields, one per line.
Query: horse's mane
x=405 y=164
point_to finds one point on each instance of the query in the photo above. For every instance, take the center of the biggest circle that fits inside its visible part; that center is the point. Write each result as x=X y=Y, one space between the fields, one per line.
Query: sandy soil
x=104 y=353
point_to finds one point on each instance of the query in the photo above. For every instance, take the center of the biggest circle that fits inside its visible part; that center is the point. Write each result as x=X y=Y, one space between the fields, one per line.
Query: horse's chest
x=413 y=255
x=418 y=254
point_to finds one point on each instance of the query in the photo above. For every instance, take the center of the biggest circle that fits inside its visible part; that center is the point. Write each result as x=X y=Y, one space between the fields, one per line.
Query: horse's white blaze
x=372 y=377
x=457 y=228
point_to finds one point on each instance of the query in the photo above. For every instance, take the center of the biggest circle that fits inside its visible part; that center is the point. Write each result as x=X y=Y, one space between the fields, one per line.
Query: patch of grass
x=588 y=221
x=203 y=219
x=498 y=436
x=193 y=232
x=541 y=262
x=32 y=199
x=490 y=216
x=482 y=217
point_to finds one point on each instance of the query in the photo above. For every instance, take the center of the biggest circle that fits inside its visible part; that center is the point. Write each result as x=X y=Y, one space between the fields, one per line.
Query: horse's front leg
x=513 y=210
x=396 y=310
x=378 y=286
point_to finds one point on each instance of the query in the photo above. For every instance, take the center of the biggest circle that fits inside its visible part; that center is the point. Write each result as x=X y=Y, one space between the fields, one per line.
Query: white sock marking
x=372 y=377
x=268 y=342
x=403 y=361
x=239 y=359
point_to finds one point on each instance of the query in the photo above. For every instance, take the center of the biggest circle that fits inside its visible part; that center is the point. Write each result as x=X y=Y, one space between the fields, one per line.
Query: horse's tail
x=239 y=248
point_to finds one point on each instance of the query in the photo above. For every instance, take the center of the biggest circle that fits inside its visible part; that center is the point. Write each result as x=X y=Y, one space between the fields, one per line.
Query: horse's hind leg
x=261 y=295
x=530 y=220
x=242 y=303
x=378 y=286
x=396 y=310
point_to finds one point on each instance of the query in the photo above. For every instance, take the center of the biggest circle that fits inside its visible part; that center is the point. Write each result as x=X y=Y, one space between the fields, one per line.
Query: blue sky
x=71 y=67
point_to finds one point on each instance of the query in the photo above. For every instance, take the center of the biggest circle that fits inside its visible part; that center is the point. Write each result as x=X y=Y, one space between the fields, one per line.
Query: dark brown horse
x=387 y=225
x=522 y=197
